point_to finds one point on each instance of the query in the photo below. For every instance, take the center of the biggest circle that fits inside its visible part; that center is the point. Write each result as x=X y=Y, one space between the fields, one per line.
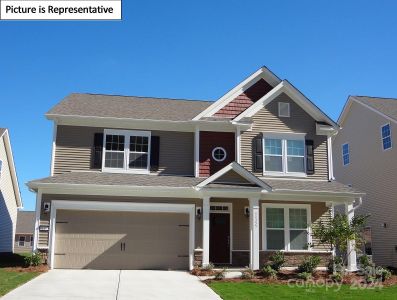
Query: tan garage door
x=121 y=240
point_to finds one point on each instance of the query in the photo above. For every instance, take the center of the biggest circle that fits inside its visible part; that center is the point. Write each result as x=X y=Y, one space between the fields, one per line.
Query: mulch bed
x=285 y=277
x=39 y=269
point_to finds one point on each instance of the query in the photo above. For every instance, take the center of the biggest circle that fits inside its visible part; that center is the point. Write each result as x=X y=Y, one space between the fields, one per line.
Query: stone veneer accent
x=293 y=259
x=198 y=258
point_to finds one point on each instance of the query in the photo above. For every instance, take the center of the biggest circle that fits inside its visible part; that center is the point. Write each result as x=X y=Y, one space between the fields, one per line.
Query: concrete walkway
x=112 y=285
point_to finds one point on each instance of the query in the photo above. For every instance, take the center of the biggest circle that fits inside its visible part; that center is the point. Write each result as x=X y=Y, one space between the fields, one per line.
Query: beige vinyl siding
x=373 y=171
x=74 y=145
x=267 y=119
x=8 y=206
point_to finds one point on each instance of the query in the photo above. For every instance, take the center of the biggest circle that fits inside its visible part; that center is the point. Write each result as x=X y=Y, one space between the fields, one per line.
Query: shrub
x=335 y=265
x=208 y=267
x=33 y=260
x=365 y=261
x=277 y=260
x=370 y=279
x=337 y=277
x=269 y=272
x=220 y=274
x=383 y=274
x=309 y=264
x=305 y=276
x=247 y=274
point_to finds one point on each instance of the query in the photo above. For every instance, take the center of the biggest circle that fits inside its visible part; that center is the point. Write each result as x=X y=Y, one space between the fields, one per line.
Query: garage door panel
x=88 y=239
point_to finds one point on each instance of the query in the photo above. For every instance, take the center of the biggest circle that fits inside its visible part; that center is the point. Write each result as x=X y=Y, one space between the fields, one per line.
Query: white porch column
x=37 y=220
x=254 y=233
x=206 y=230
x=351 y=250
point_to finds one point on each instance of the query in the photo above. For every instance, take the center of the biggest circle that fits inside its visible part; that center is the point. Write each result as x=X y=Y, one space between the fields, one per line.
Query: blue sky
x=195 y=50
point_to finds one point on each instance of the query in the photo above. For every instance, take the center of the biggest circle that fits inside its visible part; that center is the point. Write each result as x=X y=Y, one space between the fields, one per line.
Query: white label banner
x=60 y=10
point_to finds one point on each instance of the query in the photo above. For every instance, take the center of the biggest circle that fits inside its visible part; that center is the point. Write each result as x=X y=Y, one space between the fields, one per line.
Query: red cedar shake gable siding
x=210 y=140
x=245 y=100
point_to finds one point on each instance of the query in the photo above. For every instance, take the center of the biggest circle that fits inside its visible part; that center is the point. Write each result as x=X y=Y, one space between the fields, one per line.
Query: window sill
x=125 y=171
x=298 y=251
x=281 y=174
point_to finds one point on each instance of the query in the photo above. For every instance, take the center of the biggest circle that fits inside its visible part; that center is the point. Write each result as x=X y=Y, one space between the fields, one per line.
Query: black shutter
x=154 y=153
x=97 y=151
x=258 y=154
x=309 y=157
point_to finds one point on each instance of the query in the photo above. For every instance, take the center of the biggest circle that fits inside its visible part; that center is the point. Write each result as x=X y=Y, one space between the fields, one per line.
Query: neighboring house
x=10 y=199
x=148 y=183
x=24 y=232
x=365 y=157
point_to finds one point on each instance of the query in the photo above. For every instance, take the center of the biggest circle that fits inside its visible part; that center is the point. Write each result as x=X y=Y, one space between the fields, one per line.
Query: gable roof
x=132 y=107
x=386 y=107
x=287 y=88
x=240 y=170
x=4 y=135
x=262 y=73
x=25 y=222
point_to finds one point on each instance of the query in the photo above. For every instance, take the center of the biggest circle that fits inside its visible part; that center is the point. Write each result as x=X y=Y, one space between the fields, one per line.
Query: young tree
x=337 y=232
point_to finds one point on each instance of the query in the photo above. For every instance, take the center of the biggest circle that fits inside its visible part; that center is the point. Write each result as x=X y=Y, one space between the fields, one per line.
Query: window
x=219 y=154
x=21 y=241
x=126 y=151
x=386 y=137
x=345 y=154
x=286 y=227
x=283 y=109
x=284 y=155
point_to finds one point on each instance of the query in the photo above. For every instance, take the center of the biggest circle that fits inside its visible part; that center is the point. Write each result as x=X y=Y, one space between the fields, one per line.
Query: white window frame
x=348 y=154
x=21 y=241
x=279 y=110
x=286 y=207
x=219 y=148
x=382 y=138
x=127 y=135
x=284 y=137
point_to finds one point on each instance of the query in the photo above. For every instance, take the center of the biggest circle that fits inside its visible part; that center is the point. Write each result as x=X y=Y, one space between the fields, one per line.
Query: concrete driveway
x=113 y=284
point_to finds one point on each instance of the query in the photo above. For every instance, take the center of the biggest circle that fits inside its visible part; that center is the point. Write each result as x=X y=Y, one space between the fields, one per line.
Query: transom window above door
x=126 y=151
x=284 y=154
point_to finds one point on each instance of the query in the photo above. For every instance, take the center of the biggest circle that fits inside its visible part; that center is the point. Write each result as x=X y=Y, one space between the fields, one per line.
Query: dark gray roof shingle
x=387 y=106
x=141 y=108
x=101 y=178
x=308 y=185
x=25 y=222
x=2 y=130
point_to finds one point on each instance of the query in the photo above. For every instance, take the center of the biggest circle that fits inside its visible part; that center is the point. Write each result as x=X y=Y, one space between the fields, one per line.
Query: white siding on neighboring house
x=373 y=171
x=8 y=206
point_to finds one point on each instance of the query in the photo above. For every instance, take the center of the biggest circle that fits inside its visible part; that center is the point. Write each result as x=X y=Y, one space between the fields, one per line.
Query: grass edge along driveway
x=10 y=280
x=249 y=290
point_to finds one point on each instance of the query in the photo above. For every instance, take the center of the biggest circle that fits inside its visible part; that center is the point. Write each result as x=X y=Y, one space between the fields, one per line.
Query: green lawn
x=247 y=290
x=10 y=279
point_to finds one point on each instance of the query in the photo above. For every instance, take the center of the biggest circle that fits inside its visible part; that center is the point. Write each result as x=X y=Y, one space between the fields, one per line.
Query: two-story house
x=10 y=197
x=366 y=158
x=148 y=183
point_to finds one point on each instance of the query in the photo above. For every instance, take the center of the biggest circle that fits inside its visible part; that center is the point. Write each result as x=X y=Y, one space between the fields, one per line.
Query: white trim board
x=239 y=170
x=262 y=73
x=124 y=207
x=287 y=88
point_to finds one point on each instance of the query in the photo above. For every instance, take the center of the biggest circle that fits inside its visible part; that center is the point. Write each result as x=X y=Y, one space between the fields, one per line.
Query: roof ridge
x=374 y=97
x=143 y=97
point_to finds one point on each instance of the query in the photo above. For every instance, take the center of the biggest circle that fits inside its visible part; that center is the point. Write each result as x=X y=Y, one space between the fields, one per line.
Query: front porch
x=239 y=233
